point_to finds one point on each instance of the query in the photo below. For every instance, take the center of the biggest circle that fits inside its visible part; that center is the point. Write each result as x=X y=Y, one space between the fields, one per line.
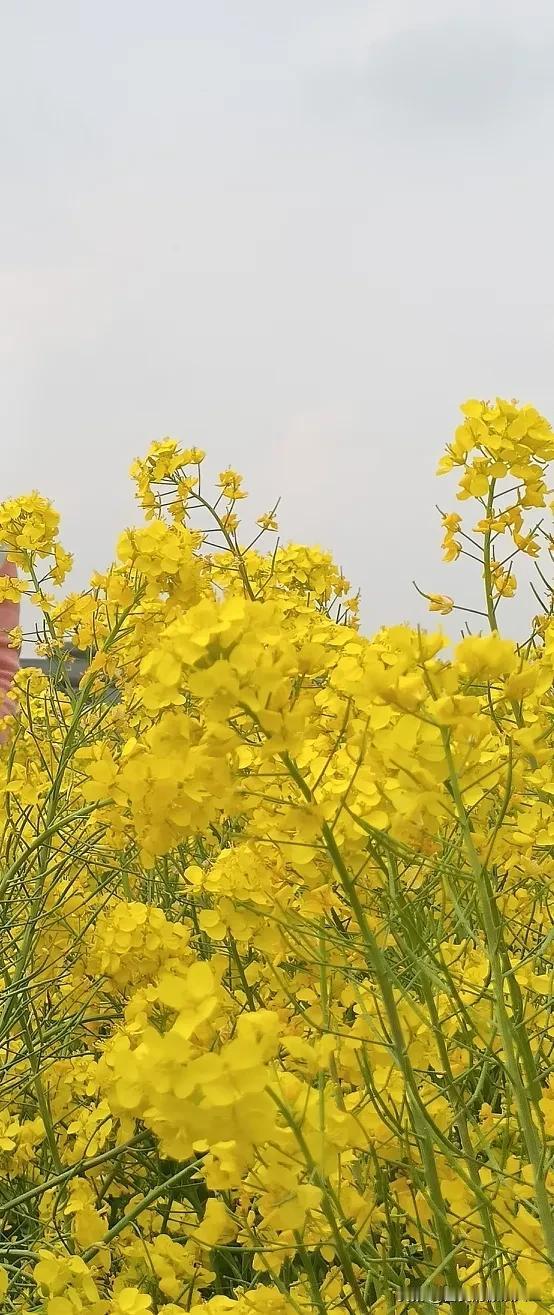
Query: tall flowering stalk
x=275 y=921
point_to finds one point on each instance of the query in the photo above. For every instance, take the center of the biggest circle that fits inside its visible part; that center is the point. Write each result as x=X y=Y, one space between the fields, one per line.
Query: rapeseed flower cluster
x=276 y=928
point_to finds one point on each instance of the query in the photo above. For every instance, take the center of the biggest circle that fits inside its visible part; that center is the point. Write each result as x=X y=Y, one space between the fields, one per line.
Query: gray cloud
x=452 y=73
x=459 y=75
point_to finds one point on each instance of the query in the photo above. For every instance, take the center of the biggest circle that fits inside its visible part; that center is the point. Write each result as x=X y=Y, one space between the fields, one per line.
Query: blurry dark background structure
x=75 y=663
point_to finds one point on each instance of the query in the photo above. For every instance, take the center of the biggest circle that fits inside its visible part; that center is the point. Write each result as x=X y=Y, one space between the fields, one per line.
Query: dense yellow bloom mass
x=276 y=932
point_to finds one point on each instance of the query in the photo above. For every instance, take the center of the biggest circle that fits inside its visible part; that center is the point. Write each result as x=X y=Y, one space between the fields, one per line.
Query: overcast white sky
x=295 y=232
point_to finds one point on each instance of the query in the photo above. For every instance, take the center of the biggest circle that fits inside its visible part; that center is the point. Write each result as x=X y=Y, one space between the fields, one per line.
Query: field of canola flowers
x=276 y=932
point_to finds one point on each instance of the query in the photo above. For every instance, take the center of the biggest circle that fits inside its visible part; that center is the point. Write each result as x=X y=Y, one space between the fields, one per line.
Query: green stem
x=42 y=1098
x=159 y=1190
x=487 y=561
x=377 y=964
x=326 y=1206
x=76 y=1171
x=510 y=1037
